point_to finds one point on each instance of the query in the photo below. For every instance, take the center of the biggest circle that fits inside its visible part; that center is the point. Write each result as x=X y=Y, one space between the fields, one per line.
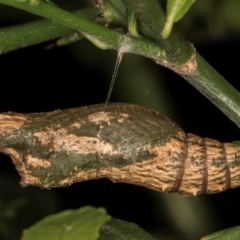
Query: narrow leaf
x=84 y=223
x=132 y=23
x=175 y=11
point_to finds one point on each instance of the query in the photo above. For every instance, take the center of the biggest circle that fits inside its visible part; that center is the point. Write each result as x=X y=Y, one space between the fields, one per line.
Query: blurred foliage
x=210 y=22
x=17 y=206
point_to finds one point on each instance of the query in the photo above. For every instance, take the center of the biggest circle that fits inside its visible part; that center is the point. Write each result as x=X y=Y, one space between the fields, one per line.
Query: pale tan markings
x=182 y=164
x=227 y=170
x=122 y=116
x=75 y=125
x=159 y=172
x=81 y=175
x=193 y=171
x=61 y=140
x=137 y=173
x=204 y=166
x=167 y=163
x=36 y=162
x=10 y=123
x=189 y=68
x=156 y=173
x=30 y=180
x=209 y=165
x=106 y=117
x=233 y=155
x=216 y=166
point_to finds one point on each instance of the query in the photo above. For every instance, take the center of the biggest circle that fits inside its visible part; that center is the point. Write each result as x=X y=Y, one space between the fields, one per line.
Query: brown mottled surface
x=133 y=145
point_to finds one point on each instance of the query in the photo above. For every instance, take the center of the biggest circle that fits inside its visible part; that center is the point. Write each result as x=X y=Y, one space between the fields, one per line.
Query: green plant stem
x=174 y=53
x=151 y=22
x=34 y=32
x=102 y=37
x=178 y=52
x=219 y=91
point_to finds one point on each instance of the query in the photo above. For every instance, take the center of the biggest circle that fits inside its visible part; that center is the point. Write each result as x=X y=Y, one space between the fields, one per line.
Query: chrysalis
x=137 y=146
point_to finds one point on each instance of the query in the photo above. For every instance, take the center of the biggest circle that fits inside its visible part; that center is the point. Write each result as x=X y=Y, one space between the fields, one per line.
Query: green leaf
x=229 y=234
x=116 y=229
x=177 y=8
x=83 y=223
x=175 y=11
x=41 y=30
x=132 y=23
